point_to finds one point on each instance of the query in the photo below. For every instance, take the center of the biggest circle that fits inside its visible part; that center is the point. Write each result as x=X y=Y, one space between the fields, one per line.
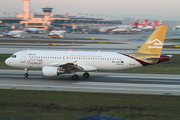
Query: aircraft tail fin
x=144 y=23
x=131 y=23
x=154 y=23
x=135 y=23
x=64 y=28
x=154 y=43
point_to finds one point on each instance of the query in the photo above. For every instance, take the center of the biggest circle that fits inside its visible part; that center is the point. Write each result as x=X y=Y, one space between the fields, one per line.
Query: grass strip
x=172 y=40
x=172 y=46
x=51 y=105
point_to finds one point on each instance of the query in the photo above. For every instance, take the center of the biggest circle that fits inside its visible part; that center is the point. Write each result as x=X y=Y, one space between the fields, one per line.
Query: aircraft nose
x=8 y=61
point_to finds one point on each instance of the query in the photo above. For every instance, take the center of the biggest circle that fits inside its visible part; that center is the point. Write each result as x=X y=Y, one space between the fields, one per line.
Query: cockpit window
x=13 y=56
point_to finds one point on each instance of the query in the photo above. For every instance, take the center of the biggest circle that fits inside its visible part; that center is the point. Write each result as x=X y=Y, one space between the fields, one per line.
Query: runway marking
x=144 y=77
x=128 y=84
x=92 y=88
x=12 y=87
x=170 y=81
x=20 y=76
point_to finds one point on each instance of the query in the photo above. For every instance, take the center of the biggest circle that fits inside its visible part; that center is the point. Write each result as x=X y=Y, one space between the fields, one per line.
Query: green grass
x=172 y=40
x=51 y=105
x=167 y=67
x=172 y=46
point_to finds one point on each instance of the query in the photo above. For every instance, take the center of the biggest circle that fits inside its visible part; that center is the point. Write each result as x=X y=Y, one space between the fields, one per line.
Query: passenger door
x=23 y=57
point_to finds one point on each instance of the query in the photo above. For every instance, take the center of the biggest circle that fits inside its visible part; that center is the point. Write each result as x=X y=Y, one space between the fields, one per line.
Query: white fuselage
x=59 y=33
x=14 y=33
x=32 y=29
x=106 y=61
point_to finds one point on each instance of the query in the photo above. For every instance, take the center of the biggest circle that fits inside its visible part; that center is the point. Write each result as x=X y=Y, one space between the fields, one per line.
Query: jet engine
x=52 y=71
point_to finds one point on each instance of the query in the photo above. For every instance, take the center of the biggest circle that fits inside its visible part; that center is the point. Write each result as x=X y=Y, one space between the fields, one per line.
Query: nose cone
x=8 y=61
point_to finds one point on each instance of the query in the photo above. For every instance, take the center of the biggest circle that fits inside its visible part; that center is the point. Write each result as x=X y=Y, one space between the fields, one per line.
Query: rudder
x=154 y=43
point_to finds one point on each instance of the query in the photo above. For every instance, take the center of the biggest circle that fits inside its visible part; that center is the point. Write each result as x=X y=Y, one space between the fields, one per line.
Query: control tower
x=47 y=9
x=26 y=7
x=47 y=12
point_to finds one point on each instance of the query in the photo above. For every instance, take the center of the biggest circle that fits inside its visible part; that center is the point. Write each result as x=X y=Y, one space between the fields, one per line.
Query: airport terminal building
x=47 y=20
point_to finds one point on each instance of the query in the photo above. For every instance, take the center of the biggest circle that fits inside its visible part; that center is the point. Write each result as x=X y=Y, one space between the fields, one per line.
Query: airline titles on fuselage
x=34 y=59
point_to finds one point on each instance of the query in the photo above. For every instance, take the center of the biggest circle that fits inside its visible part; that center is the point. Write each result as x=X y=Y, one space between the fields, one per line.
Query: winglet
x=154 y=43
x=74 y=63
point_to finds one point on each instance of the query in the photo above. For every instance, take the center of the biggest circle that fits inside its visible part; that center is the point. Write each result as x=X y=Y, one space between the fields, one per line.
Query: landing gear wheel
x=75 y=77
x=26 y=75
x=86 y=75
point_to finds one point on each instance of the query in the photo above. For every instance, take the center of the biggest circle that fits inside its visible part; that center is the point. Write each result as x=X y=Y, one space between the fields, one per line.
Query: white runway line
x=22 y=76
x=169 y=81
x=153 y=77
x=129 y=85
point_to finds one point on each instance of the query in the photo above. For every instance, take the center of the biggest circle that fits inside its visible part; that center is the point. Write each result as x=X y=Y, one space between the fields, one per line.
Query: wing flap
x=73 y=66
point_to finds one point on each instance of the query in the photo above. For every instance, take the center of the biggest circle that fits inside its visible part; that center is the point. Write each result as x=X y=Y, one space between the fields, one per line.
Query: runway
x=102 y=82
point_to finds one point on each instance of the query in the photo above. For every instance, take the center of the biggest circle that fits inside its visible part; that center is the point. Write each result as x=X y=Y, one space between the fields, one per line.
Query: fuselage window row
x=80 y=58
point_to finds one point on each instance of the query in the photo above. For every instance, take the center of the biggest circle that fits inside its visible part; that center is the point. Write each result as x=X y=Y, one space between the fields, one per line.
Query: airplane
x=139 y=26
x=176 y=27
x=60 y=33
x=14 y=34
x=105 y=29
x=152 y=25
x=144 y=23
x=32 y=30
x=119 y=28
x=126 y=28
x=54 y=63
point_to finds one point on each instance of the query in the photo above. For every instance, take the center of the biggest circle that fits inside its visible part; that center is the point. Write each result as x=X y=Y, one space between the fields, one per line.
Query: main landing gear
x=86 y=75
x=26 y=74
x=76 y=77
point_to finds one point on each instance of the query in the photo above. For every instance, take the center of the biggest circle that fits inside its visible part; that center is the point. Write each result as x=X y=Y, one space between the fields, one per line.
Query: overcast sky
x=166 y=8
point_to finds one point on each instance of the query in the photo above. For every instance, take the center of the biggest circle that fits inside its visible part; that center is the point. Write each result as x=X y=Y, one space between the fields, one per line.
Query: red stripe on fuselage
x=138 y=60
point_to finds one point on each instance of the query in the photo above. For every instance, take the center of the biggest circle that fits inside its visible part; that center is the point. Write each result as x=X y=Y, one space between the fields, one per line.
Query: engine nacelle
x=51 y=71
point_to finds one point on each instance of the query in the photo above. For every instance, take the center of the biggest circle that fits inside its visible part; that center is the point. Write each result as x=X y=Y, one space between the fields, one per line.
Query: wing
x=73 y=66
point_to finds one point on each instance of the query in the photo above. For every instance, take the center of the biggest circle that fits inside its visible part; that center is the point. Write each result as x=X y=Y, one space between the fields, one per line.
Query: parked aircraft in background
x=152 y=25
x=105 y=29
x=14 y=34
x=176 y=28
x=119 y=28
x=59 y=33
x=32 y=30
x=54 y=63
x=143 y=24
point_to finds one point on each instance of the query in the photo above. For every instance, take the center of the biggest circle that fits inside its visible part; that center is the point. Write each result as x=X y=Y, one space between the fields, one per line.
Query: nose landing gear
x=26 y=74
